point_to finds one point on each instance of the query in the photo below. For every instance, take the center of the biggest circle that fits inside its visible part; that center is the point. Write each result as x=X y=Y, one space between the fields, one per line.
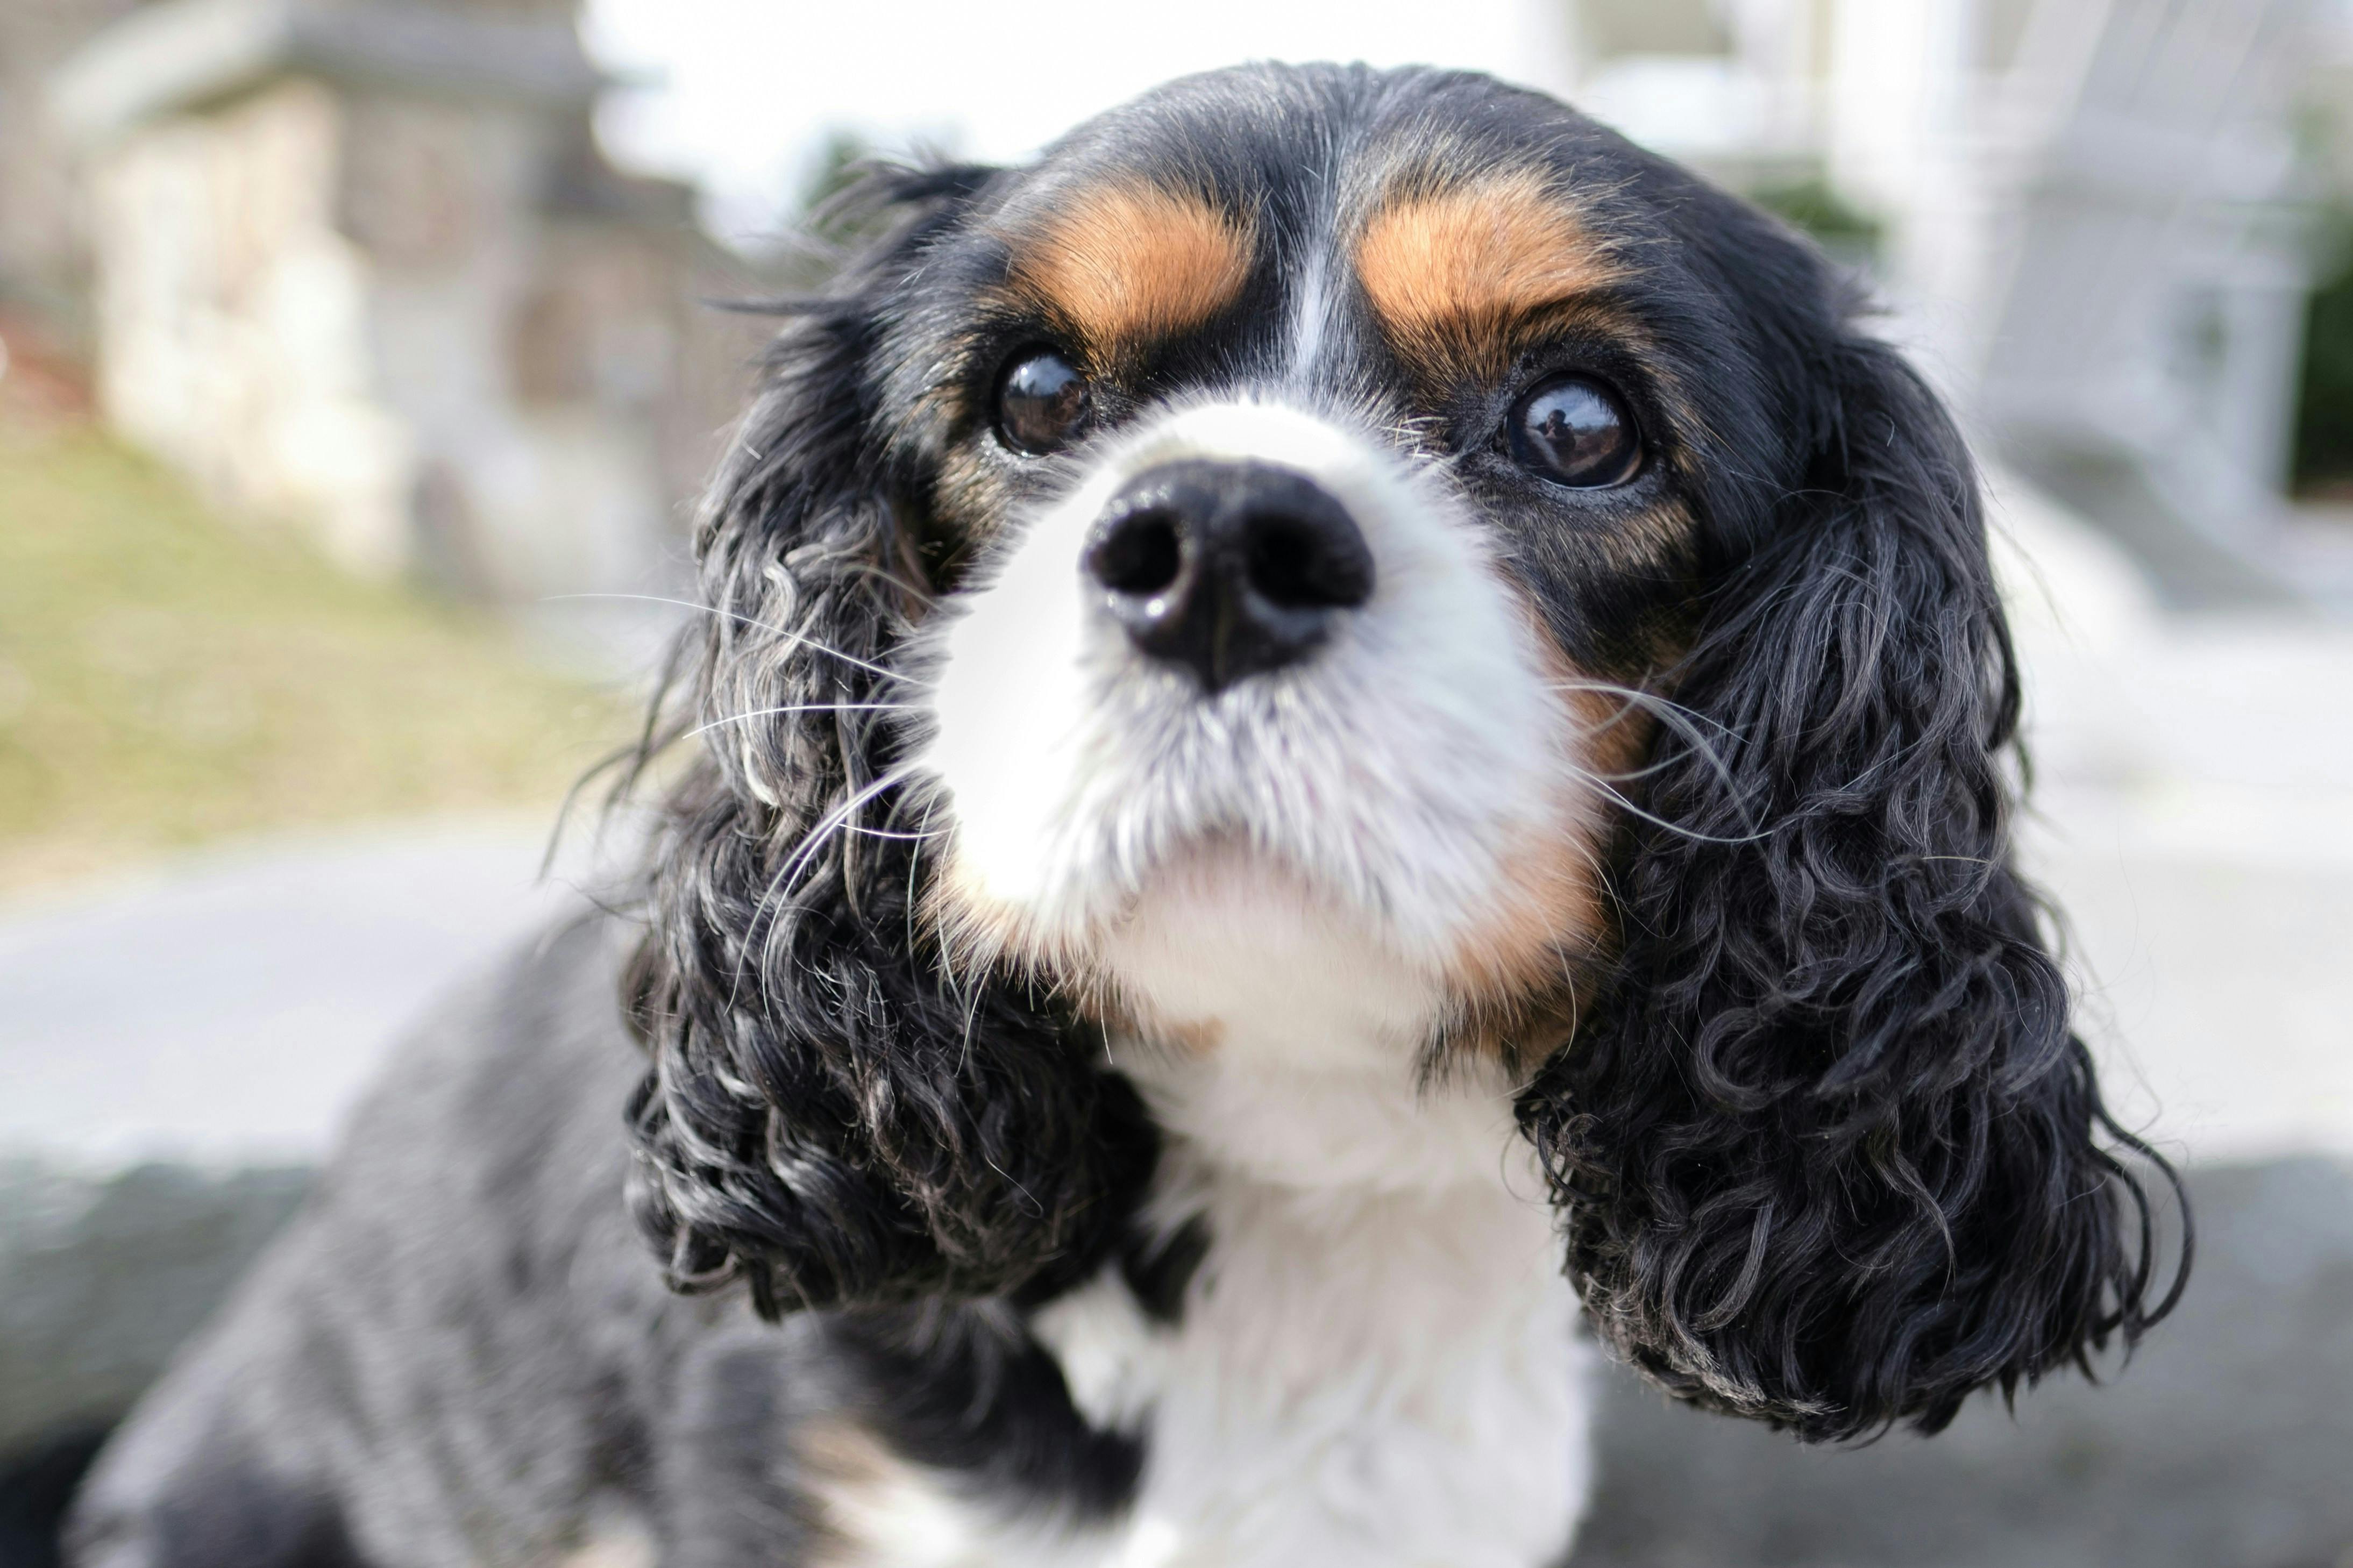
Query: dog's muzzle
x=1227 y=569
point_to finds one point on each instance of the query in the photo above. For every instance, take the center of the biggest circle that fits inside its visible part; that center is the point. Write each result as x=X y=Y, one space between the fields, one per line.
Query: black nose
x=1229 y=569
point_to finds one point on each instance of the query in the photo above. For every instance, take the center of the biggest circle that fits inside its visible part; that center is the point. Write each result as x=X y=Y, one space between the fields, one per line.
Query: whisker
x=1639 y=697
x=1692 y=834
x=971 y=1019
x=1641 y=773
x=803 y=707
x=681 y=604
x=839 y=817
x=915 y=858
x=800 y=638
x=785 y=882
x=1685 y=722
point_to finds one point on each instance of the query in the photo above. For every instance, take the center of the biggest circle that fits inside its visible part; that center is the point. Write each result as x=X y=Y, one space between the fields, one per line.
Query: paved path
x=2194 y=821
x=226 y=1008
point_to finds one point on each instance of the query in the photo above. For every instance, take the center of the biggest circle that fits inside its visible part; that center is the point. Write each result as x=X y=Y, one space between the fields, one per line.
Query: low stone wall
x=102 y=1278
x=2227 y=1442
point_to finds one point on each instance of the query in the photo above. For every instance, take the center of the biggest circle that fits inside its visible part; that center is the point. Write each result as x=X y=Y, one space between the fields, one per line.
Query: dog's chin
x=1226 y=945
x=1223 y=941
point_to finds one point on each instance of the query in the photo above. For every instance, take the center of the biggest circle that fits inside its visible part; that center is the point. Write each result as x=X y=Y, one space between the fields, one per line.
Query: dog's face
x=1318 y=478
x=1377 y=552
x=1310 y=510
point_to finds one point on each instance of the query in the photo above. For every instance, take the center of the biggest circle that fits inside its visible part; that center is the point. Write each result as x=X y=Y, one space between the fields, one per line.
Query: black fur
x=1831 y=1154
x=1160 y=1269
x=828 y=1114
x=979 y=1398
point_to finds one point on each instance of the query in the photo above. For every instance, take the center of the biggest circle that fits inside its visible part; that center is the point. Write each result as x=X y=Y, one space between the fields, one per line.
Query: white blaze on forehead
x=1313 y=314
x=1391 y=777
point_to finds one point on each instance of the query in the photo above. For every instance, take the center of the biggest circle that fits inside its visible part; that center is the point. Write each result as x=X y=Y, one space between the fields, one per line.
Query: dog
x=1352 y=745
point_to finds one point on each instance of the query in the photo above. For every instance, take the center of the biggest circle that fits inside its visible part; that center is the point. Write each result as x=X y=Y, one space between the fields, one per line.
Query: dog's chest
x=1381 y=1378
x=1355 y=1375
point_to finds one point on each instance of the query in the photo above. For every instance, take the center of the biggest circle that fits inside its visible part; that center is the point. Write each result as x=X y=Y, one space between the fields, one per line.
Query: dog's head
x=1375 y=550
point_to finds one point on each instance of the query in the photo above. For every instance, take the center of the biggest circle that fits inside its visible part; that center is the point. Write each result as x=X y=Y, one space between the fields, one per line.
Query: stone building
x=44 y=269
x=360 y=265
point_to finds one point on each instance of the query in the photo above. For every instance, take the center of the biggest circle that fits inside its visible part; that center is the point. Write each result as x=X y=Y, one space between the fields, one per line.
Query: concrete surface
x=2192 y=817
x=223 y=1009
x=177 y=1049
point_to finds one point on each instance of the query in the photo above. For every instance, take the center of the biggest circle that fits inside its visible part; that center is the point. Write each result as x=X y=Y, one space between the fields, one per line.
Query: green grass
x=1813 y=206
x=2324 y=434
x=167 y=678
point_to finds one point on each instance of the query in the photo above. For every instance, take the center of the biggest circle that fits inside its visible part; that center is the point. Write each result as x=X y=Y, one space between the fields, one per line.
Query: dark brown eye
x=1041 y=400
x=1574 y=431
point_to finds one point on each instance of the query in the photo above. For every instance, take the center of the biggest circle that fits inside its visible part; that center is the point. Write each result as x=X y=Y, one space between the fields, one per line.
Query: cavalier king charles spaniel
x=1350 y=745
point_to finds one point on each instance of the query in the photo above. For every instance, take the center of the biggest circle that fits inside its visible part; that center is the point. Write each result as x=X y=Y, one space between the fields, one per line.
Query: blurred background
x=358 y=367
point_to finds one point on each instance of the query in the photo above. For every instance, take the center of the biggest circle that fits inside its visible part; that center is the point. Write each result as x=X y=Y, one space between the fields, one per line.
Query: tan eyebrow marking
x=1451 y=271
x=1128 y=264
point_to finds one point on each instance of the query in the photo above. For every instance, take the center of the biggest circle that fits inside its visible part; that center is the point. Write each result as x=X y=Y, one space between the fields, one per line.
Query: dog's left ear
x=1829 y=1155
x=828 y=1113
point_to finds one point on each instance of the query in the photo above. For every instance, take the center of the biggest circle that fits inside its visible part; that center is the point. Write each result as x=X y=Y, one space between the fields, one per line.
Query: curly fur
x=1828 y=1157
x=829 y=1114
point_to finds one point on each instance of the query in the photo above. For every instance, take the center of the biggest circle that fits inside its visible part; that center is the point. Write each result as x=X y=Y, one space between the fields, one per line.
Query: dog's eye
x=1574 y=431
x=1041 y=399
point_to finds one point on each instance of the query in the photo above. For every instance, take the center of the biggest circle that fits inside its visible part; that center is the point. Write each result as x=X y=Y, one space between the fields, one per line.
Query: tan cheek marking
x=1449 y=273
x=1659 y=539
x=1546 y=915
x=1129 y=264
x=859 y=1482
x=1550 y=920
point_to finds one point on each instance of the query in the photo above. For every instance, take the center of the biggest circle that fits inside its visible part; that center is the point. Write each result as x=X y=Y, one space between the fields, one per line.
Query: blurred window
x=1611 y=29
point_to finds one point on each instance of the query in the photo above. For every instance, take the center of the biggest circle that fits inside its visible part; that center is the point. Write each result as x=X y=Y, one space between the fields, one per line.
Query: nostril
x=1227 y=569
x=1141 y=556
x=1303 y=563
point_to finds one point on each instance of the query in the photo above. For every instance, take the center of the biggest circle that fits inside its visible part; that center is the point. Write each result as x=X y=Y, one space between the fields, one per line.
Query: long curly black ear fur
x=827 y=1114
x=1830 y=1155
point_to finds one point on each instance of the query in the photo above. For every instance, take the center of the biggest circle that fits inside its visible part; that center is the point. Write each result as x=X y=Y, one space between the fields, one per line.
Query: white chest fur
x=1376 y=1364
x=1358 y=1378
x=1370 y=1372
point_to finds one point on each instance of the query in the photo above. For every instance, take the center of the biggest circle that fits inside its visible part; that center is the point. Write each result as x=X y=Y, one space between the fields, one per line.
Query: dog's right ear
x=828 y=1113
x=1831 y=1157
